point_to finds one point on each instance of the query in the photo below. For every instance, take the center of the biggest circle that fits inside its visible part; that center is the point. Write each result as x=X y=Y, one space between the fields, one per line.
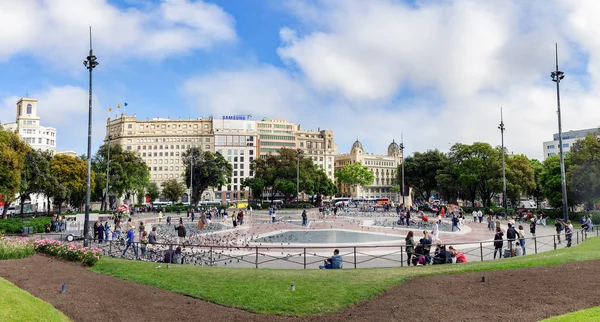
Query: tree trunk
x=22 y=199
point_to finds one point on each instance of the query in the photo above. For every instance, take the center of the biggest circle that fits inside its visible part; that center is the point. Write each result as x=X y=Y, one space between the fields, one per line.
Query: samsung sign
x=234 y=117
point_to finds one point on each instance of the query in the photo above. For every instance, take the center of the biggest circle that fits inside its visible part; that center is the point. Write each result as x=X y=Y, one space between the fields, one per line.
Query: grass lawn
x=317 y=291
x=588 y=315
x=18 y=305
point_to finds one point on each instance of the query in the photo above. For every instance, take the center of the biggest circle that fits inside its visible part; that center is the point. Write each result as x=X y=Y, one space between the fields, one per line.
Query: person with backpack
x=455 y=223
x=498 y=242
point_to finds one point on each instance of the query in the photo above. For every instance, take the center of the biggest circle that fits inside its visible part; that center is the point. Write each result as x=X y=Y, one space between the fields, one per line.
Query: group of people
x=420 y=254
x=57 y=224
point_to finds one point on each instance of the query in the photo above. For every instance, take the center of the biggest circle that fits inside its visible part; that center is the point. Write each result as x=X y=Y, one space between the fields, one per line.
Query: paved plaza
x=288 y=244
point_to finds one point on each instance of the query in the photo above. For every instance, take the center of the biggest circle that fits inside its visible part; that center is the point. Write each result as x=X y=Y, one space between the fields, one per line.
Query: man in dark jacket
x=511 y=235
x=180 y=232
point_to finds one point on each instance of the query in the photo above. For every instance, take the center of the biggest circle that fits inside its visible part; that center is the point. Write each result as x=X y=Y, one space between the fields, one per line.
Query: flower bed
x=68 y=251
x=15 y=248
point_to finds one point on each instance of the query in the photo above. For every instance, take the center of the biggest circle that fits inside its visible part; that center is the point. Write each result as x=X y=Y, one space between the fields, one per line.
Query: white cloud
x=354 y=61
x=57 y=30
x=260 y=91
x=61 y=107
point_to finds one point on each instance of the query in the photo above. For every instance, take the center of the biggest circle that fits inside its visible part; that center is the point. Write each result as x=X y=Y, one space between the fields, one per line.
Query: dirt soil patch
x=516 y=295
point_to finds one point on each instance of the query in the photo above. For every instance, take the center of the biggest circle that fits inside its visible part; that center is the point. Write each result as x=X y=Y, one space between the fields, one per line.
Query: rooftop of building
x=575 y=134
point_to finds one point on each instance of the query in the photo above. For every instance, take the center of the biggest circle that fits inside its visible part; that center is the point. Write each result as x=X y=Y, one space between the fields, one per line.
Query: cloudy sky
x=437 y=71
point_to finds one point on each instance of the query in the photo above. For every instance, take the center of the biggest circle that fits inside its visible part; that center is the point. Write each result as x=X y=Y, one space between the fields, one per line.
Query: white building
x=570 y=139
x=236 y=140
x=29 y=128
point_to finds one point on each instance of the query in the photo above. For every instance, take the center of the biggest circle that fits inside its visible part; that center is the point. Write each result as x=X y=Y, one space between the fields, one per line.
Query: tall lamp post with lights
x=557 y=76
x=298 y=155
x=90 y=63
x=502 y=128
x=402 y=165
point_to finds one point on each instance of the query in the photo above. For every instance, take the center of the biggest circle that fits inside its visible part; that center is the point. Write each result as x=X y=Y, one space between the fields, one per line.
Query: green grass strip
x=18 y=305
x=267 y=291
x=589 y=315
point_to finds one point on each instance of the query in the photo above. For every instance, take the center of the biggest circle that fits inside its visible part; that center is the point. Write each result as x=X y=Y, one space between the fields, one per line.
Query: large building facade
x=275 y=134
x=318 y=146
x=236 y=140
x=383 y=167
x=570 y=139
x=161 y=143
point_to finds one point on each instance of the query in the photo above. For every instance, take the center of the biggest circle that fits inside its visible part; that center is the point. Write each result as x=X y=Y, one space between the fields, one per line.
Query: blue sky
x=436 y=71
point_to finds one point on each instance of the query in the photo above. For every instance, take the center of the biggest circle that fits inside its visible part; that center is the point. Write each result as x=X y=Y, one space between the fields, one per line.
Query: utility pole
x=557 y=76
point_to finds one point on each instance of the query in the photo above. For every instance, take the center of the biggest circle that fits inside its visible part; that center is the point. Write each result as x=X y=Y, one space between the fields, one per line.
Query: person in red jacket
x=460 y=257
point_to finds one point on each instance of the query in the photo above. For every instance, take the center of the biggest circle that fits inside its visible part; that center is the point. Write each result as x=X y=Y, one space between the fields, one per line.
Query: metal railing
x=306 y=257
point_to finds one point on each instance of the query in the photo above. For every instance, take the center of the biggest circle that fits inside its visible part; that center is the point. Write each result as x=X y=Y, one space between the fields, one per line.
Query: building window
x=29 y=107
x=251 y=153
x=565 y=145
x=241 y=173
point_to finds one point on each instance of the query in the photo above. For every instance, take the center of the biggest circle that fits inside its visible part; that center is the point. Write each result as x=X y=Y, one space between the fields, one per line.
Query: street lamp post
x=90 y=63
x=557 y=76
x=191 y=177
x=107 y=169
x=501 y=127
x=298 y=154
x=402 y=164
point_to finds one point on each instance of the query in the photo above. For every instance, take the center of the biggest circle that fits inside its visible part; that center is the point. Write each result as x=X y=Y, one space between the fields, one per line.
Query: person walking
x=181 y=232
x=498 y=242
x=532 y=227
x=304 y=218
x=480 y=215
x=143 y=245
x=455 y=223
x=130 y=243
x=511 y=236
x=240 y=217
x=141 y=229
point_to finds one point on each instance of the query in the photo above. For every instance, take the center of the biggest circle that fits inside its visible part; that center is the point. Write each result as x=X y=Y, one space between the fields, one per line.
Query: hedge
x=15 y=225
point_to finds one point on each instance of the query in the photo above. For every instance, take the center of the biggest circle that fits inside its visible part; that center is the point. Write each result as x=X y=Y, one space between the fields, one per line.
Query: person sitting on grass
x=460 y=257
x=334 y=262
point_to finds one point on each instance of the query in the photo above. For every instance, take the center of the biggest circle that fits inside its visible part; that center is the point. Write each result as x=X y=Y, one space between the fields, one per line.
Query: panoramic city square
x=328 y=160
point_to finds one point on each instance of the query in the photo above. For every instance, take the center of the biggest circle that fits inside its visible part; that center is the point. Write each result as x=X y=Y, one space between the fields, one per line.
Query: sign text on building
x=234 y=117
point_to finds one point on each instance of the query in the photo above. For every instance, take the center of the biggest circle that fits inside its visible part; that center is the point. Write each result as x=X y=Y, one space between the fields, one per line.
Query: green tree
x=153 y=192
x=278 y=173
x=128 y=173
x=256 y=186
x=12 y=163
x=35 y=177
x=172 y=190
x=551 y=181
x=70 y=174
x=520 y=177
x=583 y=177
x=354 y=175
x=209 y=170
x=536 y=191
x=420 y=171
x=477 y=169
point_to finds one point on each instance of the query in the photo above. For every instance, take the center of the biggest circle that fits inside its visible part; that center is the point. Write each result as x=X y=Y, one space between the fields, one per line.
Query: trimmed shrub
x=15 y=225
